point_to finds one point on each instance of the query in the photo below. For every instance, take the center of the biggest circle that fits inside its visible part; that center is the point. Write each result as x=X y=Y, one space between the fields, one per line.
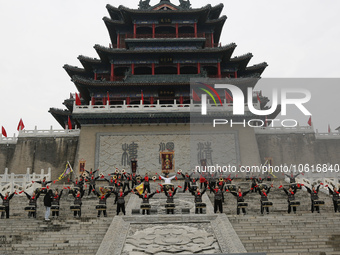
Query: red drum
x=267 y=204
x=242 y=205
x=101 y=207
x=75 y=207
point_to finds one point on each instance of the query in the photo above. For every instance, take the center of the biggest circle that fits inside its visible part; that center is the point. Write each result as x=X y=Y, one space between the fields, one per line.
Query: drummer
x=264 y=198
x=77 y=201
x=198 y=199
x=33 y=203
x=291 y=197
x=170 y=199
x=240 y=199
x=56 y=202
x=217 y=199
x=5 y=203
x=102 y=201
x=167 y=180
x=314 y=197
x=145 y=198
x=335 y=195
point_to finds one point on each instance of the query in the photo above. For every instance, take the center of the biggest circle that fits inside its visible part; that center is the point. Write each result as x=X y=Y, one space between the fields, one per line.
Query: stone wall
x=298 y=149
x=38 y=153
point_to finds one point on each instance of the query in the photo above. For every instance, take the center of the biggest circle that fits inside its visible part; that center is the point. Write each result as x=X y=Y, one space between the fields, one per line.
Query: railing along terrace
x=174 y=35
x=157 y=107
x=49 y=132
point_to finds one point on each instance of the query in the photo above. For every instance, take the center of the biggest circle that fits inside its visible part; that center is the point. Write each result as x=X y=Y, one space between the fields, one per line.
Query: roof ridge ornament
x=144 y=4
x=185 y=4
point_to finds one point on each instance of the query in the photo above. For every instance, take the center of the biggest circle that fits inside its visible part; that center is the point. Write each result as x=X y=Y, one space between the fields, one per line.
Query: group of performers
x=119 y=185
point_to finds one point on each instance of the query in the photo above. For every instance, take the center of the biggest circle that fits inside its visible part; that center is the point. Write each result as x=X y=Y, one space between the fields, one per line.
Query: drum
x=200 y=205
x=55 y=208
x=338 y=202
x=101 y=207
x=294 y=203
x=267 y=204
x=30 y=208
x=269 y=178
x=242 y=205
x=293 y=186
x=194 y=187
x=319 y=203
x=169 y=206
x=168 y=186
x=75 y=207
x=231 y=187
x=2 y=208
x=145 y=206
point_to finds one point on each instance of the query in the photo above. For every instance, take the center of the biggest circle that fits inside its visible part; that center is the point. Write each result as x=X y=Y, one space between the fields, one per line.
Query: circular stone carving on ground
x=171 y=238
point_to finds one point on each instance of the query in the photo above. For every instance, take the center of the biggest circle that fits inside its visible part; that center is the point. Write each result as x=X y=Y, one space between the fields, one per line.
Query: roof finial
x=144 y=4
x=185 y=4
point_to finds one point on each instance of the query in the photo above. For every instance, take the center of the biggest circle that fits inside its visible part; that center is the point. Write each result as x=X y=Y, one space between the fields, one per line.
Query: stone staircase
x=302 y=233
x=64 y=235
x=280 y=232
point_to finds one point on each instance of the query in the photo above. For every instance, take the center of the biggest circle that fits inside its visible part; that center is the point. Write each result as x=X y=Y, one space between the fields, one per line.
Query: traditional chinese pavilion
x=153 y=54
x=140 y=84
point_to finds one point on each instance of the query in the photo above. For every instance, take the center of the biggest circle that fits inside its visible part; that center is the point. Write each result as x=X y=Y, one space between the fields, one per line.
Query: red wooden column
x=178 y=68
x=195 y=26
x=219 y=69
x=176 y=30
x=235 y=74
x=153 y=68
x=153 y=30
x=132 y=69
x=198 y=68
x=112 y=76
x=212 y=40
x=95 y=76
x=134 y=30
x=118 y=41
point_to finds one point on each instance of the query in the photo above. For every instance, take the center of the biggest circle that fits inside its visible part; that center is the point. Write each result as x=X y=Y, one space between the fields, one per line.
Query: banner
x=140 y=188
x=67 y=171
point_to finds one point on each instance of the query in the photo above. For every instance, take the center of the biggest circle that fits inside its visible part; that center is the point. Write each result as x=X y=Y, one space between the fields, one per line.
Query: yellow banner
x=67 y=171
x=140 y=188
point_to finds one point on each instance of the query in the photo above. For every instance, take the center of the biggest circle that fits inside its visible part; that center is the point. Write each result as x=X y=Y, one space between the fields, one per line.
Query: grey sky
x=296 y=38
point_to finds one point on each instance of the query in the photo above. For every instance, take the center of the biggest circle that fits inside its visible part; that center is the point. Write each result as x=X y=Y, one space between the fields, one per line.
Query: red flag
x=4 y=132
x=329 y=128
x=78 y=102
x=69 y=123
x=195 y=97
x=258 y=98
x=310 y=121
x=108 y=97
x=228 y=97
x=21 y=125
x=142 y=96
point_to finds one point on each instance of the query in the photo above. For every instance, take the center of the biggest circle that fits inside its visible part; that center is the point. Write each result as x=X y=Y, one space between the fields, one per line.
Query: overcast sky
x=298 y=39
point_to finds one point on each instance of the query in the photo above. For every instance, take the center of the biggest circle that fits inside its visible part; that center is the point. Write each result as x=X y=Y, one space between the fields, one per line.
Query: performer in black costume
x=56 y=202
x=240 y=199
x=170 y=199
x=146 y=183
x=120 y=200
x=111 y=182
x=218 y=199
x=5 y=203
x=187 y=180
x=292 y=177
x=145 y=197
x=264 y=197
x=33 y=202
x=291 y=197
x=77 y=201
x=43 y=183
x=127 y=178
x=92 y=181
x=314 y=196
x=78 y=183
x=198 y=198
x=335 y=197
x=102 y=201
